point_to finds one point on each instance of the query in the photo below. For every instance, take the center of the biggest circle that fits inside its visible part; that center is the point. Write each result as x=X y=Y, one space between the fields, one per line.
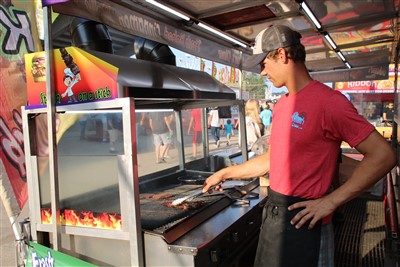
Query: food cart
x=114 y=207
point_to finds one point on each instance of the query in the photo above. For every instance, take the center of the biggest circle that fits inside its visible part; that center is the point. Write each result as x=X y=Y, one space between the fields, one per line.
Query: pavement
x=7 y=249
x=8 y=245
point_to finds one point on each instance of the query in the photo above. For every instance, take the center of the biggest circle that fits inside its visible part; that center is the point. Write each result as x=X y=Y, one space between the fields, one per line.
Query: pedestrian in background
x=229 y=131
x=114 y=122
x=266 y=117
x=196 y=126
x=254 y=125
x=214 y=123
x=388 y=114
x=161 y=129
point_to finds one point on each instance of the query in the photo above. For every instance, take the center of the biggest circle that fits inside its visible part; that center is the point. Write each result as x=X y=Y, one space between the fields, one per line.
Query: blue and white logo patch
x=298 y=120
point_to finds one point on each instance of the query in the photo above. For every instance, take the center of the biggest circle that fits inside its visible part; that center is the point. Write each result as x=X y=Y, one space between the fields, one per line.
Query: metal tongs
x=180 y=200
x=245 y=200
x=197 y=193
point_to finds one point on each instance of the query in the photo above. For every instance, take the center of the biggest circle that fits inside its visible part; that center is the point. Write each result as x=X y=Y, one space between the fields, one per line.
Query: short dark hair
x=295 y=52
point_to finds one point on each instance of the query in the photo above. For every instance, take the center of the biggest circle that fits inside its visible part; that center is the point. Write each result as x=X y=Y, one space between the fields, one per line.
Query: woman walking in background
x=254 y=125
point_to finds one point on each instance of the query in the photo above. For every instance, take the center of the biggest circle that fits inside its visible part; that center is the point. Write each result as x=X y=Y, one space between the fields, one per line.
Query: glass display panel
x=193 y=126
x=157 y=144
x=87 y=148
x=196 y=124
x=371 y=107
x=228 y=140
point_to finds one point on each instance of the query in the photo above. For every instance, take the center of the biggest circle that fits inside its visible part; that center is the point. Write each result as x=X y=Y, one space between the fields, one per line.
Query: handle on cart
x=391 y=217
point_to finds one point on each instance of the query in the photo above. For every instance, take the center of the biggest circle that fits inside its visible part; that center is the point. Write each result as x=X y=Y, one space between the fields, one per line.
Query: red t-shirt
x=196 y=115
x=307 y=132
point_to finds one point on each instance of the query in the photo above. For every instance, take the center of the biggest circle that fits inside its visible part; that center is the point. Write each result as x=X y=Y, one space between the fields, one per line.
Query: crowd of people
x=258 y=119
x=159 y=126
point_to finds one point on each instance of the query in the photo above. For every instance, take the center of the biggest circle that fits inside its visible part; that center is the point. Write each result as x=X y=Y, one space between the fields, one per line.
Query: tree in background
x=254 y=84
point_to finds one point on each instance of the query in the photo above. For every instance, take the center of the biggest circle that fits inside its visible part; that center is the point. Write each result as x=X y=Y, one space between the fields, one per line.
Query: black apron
x=280 y=243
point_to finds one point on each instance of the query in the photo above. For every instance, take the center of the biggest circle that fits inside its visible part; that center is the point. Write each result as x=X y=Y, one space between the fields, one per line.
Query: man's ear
x=283 y=55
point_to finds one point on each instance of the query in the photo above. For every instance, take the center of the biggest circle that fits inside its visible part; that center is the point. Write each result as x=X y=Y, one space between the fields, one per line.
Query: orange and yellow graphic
x=78 y=77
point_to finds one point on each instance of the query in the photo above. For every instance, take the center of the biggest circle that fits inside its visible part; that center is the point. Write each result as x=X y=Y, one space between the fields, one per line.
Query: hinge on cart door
x=183 y=250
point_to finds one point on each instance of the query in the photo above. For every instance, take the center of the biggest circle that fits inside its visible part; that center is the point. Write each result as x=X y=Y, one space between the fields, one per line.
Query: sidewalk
x=7 y=247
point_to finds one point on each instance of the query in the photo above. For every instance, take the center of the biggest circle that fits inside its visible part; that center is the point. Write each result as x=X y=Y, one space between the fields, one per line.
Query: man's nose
x=263 y=72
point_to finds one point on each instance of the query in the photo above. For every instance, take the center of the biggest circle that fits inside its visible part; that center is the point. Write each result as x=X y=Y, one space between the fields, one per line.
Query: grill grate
x=359 y=238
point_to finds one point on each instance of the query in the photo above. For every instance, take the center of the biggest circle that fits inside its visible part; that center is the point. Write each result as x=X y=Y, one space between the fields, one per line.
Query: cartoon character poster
x=79 y=77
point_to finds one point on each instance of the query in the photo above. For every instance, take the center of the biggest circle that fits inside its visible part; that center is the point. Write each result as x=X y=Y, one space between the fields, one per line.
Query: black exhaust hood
x=152 y=80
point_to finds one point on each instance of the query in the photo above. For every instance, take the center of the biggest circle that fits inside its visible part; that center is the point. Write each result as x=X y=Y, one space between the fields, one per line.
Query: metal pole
x=243 y=135
x=52 y=132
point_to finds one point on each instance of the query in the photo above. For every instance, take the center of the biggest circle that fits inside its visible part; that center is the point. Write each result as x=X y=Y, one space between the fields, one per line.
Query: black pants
x=280 y=243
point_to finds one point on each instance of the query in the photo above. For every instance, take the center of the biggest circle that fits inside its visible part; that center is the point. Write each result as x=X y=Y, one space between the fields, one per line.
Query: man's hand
x=313 y=210
x=215 y=179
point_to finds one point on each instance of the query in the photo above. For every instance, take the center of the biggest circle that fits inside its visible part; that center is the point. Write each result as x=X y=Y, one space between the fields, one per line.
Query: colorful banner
x=369 y=86
x=382 y=86
x=19 y=35
x=43 y=256
x=78 y=77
